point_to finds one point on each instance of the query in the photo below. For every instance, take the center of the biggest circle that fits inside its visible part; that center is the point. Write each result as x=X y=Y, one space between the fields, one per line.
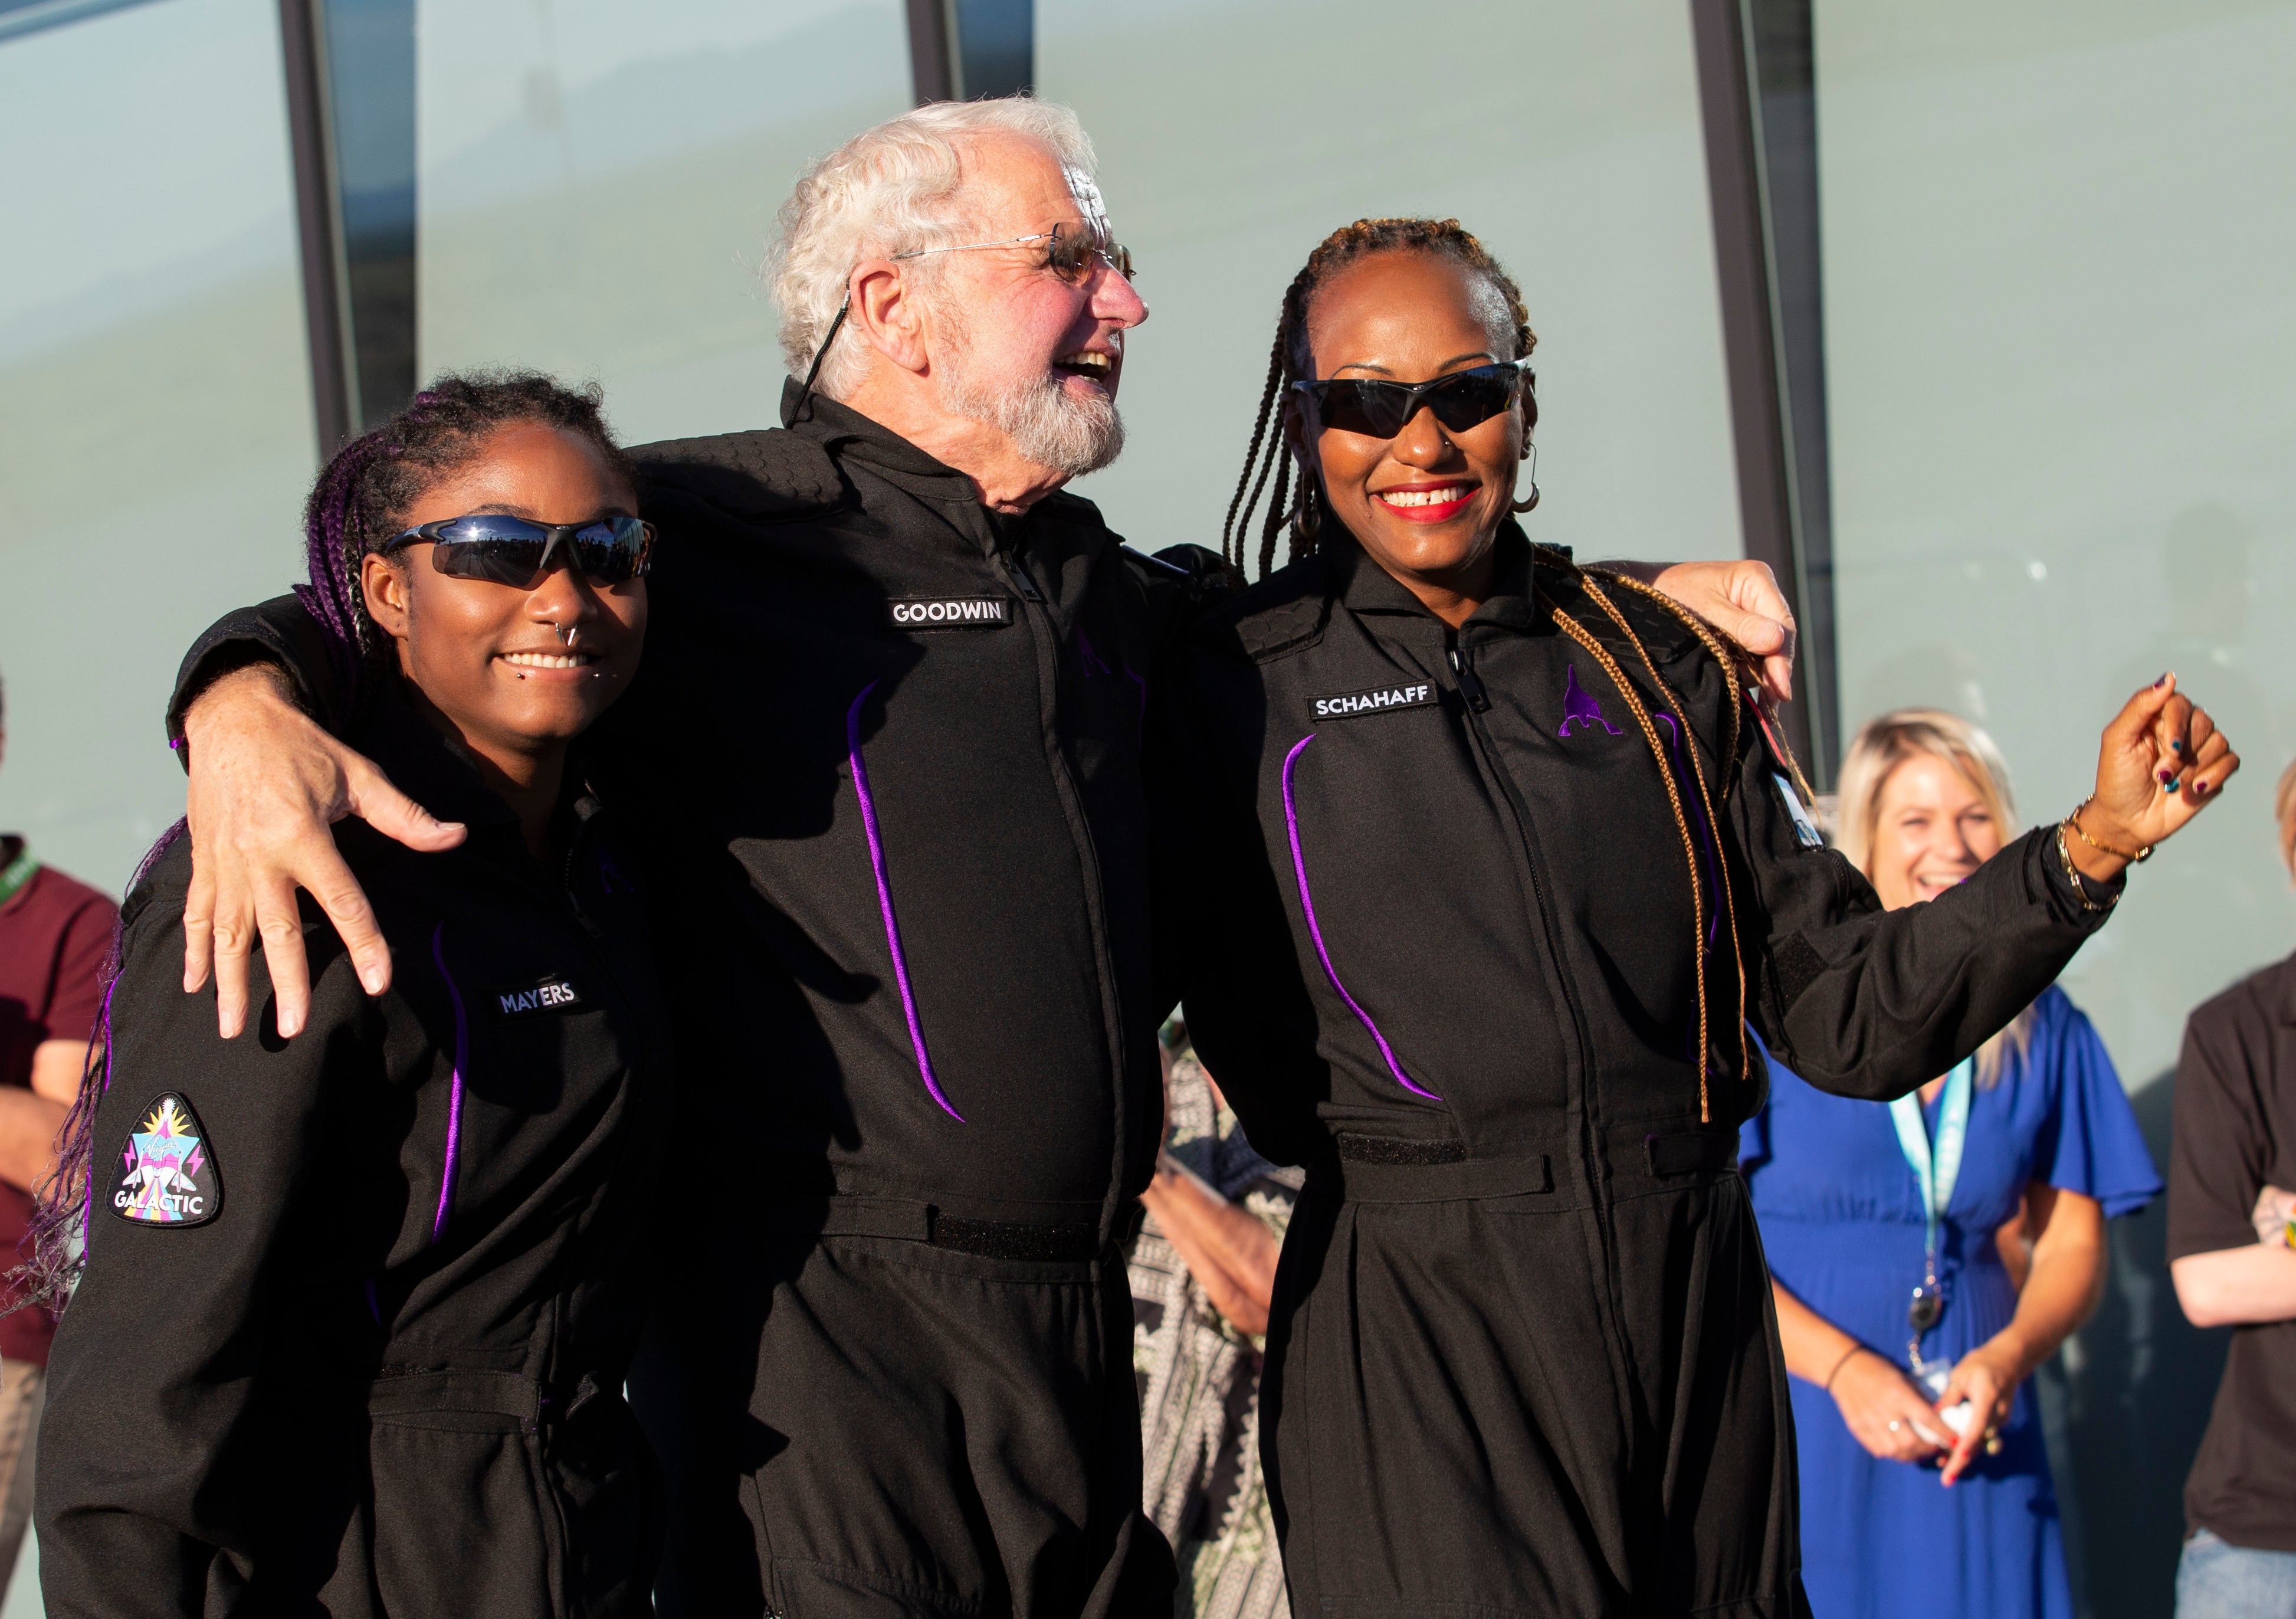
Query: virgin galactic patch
x=167 y=1174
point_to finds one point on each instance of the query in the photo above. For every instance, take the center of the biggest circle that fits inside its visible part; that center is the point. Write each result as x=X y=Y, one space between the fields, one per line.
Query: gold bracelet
x=2072 y=873
x=2073 y=820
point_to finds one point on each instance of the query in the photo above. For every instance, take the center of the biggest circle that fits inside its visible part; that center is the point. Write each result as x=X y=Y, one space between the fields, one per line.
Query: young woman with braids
x=1484 y=864
x=357 y=1306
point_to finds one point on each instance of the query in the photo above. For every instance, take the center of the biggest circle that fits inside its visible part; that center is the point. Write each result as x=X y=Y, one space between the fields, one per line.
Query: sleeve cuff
x=258 y=635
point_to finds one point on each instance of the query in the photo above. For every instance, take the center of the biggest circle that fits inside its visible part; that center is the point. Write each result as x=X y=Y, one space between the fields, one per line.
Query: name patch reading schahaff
x=1378 y=699
x=950 y=612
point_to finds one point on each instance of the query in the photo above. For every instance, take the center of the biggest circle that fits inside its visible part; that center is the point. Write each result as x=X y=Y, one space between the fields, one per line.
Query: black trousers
x=859 y=1427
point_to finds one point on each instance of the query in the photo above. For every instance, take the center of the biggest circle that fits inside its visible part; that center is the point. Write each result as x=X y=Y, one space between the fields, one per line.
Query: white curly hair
x=891 y=189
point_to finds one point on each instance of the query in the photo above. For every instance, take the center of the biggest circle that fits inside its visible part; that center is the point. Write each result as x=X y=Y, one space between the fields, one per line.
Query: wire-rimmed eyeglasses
x=1069 y=256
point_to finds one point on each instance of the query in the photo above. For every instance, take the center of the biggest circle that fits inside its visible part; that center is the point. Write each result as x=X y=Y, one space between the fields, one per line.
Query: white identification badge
x=1805 y=828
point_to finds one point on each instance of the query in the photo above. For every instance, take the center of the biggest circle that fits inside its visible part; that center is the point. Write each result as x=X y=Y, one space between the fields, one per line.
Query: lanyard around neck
x=17 y=873
x=1936 y=1171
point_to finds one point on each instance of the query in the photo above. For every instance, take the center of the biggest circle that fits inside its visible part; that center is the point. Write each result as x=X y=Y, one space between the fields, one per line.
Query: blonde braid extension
x=1578 y=632
x=1269 y=458
x=1706 y=801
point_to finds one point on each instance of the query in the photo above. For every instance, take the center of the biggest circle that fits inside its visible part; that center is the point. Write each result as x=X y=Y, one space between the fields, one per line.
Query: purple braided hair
x=51 y=1260
x=355 y=506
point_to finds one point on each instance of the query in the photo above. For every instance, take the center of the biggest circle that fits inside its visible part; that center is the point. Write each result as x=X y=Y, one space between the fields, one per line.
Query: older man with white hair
x=889 y=731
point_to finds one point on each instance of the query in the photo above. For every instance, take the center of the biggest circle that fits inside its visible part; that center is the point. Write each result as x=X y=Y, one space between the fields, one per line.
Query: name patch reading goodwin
x=949 y=612
x=1377 y=700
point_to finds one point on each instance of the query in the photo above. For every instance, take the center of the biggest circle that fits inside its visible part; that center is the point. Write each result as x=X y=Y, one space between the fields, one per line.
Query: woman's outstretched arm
x=1866 y=1003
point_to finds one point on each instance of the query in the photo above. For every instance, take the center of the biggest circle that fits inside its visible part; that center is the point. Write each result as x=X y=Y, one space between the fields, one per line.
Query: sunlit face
x=491 y=658
x=1932 y=831
x=1014 y=342
x=1426 y=504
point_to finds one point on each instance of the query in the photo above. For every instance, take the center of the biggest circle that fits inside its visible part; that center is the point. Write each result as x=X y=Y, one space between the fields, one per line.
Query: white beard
x=1047 y=424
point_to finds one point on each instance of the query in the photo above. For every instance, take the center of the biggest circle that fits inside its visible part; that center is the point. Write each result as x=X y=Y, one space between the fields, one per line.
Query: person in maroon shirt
x=55 y=934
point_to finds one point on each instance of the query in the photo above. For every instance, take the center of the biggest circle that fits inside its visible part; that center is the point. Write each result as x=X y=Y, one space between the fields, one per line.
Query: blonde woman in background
x=1908 y=1337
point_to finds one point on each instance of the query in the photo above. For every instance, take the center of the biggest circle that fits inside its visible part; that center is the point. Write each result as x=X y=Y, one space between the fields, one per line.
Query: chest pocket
x=551 y=994
x=527 y=1062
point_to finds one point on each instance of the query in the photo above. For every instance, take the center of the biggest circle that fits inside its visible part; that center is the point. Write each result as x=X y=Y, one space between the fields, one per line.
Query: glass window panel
x=2056 y=242
x=1234 y=137
x=595 y=196
x=155 y=406
x=2058 y=339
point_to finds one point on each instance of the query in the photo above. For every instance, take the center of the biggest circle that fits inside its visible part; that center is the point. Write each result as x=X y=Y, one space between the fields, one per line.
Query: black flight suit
x=1443 y=950
x=358 y=1306
x=895 y=743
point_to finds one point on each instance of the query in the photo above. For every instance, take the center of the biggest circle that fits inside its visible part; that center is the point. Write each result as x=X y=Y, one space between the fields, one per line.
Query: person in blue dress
x=1925 y=1485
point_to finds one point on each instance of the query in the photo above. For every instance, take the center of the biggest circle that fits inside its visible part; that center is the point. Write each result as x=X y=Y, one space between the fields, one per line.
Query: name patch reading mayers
x=551 y=995
x=949 y=612
x=167 y=1174
x=1377 y=700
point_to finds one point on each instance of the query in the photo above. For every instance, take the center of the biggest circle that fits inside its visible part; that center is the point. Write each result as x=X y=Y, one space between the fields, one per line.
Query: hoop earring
x=1530 y=502
x=1307 y=516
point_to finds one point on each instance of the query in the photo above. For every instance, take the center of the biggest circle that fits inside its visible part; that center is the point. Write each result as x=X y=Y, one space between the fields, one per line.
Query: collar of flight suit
x=437 y=772
x=848 y=435
x=1363 y=587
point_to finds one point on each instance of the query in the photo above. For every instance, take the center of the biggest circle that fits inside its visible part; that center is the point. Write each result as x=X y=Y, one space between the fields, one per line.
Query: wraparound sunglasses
x=1461 y=400
x=505 y=550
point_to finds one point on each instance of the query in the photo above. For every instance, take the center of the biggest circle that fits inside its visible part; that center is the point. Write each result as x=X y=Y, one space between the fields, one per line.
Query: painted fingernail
x=2176 y=746
x=2171 y=787
x=2199 y=787
x=2166 y=776
x=2157 y=685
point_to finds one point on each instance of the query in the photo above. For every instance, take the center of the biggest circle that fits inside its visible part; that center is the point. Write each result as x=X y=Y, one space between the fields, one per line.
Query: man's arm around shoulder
x=267 y=782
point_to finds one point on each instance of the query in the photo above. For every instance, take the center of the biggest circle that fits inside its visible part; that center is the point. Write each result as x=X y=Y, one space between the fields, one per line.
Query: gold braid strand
x=1571 y=626
x=1706 y=799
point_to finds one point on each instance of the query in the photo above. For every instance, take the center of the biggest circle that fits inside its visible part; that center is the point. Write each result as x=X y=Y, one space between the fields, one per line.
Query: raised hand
x=1743 y=599
x=267 y=785
x=2162 y=760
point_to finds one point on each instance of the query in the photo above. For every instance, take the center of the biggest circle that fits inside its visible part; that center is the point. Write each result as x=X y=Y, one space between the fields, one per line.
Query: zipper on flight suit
x=1470 y=684
x=1045 y=633
x=1021 y=577
x=1477 y=702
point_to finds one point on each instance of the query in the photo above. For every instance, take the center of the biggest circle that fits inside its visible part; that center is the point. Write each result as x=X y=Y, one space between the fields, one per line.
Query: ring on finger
x=1896 y=1427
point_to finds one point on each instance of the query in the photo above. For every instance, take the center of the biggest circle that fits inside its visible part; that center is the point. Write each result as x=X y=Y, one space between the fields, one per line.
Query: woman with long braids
x=357 y=1306
x=1486 y=863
